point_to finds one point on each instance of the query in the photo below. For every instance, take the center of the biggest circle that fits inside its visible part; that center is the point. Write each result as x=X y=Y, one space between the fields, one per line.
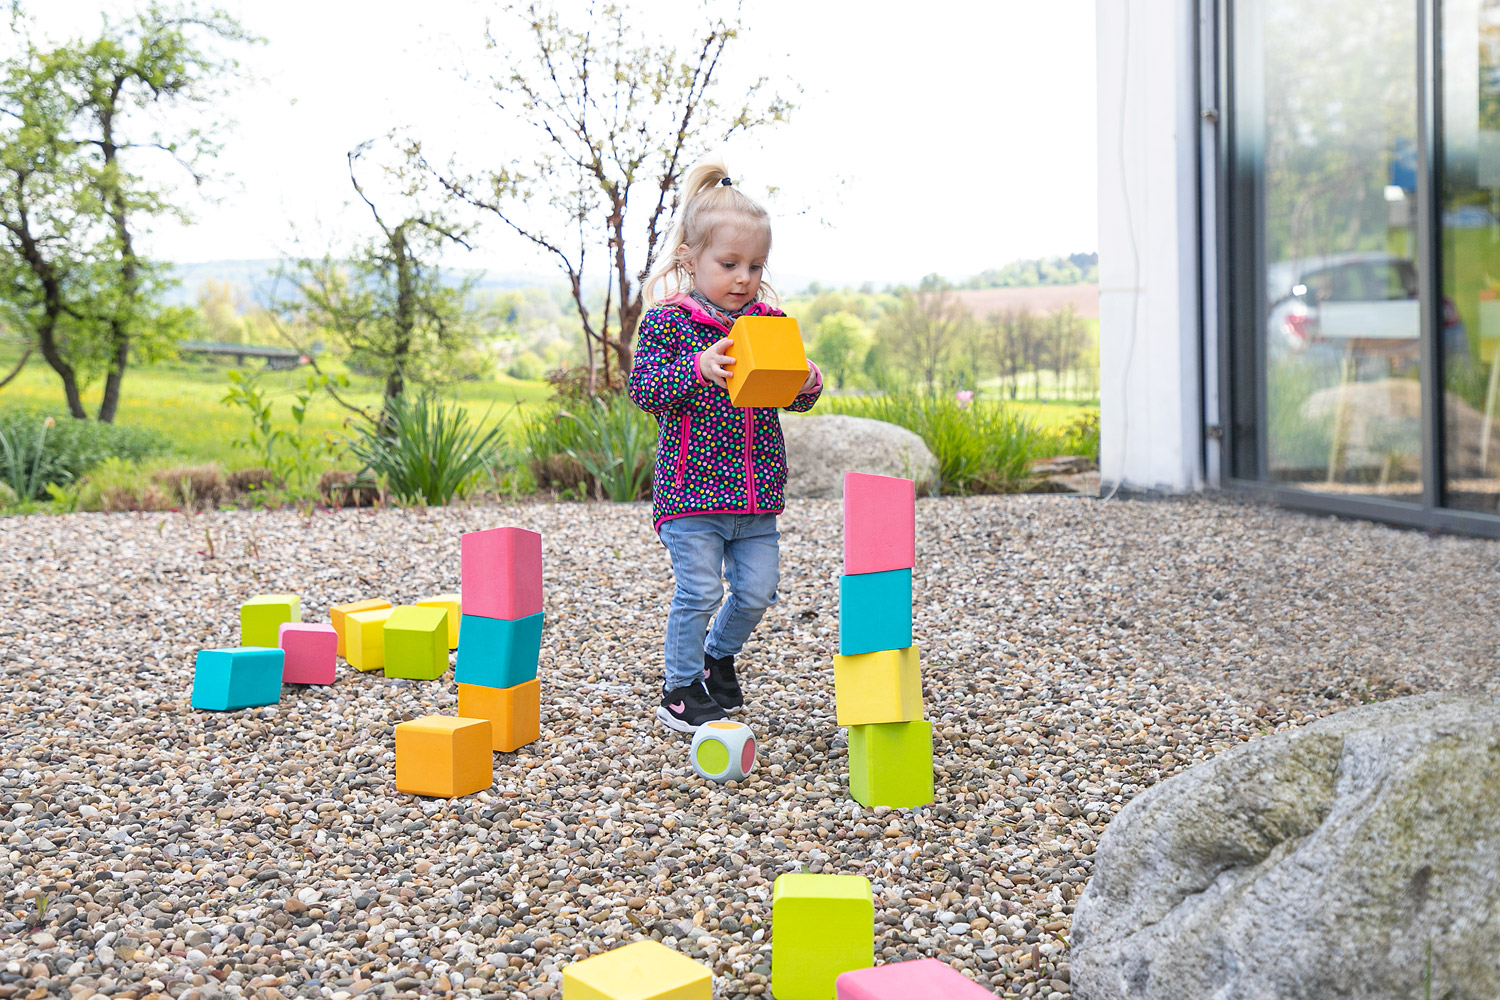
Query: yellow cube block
x=769 y=362
x=364 y=639
x=884 y=686
x=514 y=713
x=337 y=613
x=646 y=970
x=442 y=756
x=449 y=603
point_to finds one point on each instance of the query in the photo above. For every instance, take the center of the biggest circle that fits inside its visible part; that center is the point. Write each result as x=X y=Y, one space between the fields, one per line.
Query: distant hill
x=1037 y=298
x=255 y=278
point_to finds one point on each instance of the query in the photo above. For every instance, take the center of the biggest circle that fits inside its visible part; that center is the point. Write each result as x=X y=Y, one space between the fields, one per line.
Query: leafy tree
x=76 y=124
x=926 y=324
x=841 y=342
x=388 y=306
x=619 y=119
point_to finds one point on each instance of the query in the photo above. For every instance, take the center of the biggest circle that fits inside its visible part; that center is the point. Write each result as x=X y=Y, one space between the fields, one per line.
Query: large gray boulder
x=1320 y=863
x=819 y=450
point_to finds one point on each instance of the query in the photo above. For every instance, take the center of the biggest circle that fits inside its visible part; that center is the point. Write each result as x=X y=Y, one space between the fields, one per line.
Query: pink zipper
x=682 y=446
x=749 y=457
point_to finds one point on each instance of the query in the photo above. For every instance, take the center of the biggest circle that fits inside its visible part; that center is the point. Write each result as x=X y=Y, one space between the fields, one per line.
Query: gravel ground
x=1074 y=652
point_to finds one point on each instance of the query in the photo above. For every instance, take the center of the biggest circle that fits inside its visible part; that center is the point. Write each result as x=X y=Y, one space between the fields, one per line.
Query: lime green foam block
x=890 y=764
x=262 y=615
x=821 y=926
x=416 y=643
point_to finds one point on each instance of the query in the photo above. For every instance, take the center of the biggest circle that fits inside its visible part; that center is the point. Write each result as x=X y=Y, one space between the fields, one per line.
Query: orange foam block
x=337 y=613
x=514 y=713
x=501 y=573
x=364 y=639
x=769 y=362
x=880 y=523
x=451 y=604
x=441 y=756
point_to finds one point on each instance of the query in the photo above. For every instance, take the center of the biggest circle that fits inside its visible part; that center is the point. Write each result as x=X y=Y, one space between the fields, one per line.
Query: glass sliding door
x=1469 y=56
x=1326 y=272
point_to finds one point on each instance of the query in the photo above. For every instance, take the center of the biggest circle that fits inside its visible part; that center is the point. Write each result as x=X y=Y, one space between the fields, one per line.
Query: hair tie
x=725 y=182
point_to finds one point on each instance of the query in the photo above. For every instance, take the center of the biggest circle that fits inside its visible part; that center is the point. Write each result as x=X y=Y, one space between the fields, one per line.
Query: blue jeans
x=740 y=547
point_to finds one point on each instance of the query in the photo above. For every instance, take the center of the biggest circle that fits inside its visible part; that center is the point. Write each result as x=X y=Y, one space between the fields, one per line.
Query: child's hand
x=713 y=363
x=812 y=380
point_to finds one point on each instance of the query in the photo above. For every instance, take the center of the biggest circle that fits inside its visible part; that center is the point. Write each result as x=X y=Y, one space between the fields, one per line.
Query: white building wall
x=1151 y=412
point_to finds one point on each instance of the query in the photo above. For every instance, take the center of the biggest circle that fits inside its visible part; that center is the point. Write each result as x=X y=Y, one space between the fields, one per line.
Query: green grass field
x=183 y=399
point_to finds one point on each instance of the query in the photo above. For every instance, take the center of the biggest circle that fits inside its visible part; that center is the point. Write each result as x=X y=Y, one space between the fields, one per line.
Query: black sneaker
x=718 y=675
x=686 y=708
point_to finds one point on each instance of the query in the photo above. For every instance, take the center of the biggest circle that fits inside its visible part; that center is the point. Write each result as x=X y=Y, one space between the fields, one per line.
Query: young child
x=720 y=469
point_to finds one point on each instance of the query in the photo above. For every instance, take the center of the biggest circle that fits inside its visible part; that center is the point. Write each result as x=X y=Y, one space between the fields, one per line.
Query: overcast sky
x=947 y=136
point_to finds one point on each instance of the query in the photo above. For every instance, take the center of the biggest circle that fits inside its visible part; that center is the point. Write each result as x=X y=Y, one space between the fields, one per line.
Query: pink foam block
x=311 y=652
x=880 y=523
x=927 y=978
x=501 y=573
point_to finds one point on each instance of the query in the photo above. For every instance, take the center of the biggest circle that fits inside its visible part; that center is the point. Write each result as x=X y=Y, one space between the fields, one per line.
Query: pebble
x=1075 y=652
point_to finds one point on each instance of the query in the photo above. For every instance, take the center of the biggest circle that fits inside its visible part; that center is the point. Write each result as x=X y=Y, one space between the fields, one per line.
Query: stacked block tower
x=877 y=677
x=500 y=633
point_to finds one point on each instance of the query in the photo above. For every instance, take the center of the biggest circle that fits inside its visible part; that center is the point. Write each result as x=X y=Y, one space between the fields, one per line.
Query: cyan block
x=498 y=652
x=890 y=764
x=874 y=612
x=226 y=679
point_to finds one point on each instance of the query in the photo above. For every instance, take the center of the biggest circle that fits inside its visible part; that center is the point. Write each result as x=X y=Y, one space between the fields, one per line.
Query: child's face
x=729 y=269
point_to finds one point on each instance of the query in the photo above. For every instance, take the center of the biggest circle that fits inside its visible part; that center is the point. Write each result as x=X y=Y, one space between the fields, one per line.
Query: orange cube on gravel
x=364 y=639
x=451 y=604
x=442 y=756
x=515 y=713
x=338 y=612
x=769 y=362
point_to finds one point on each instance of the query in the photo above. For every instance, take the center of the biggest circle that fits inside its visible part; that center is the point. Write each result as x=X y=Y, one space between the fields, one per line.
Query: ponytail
x=708 y=198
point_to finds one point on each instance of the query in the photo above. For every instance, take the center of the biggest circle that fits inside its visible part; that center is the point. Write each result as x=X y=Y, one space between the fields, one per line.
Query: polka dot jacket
x=711 y=457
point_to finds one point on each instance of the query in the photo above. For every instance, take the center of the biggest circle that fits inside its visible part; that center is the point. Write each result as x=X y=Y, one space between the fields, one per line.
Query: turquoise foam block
x=497 y=652
x=227 y=679
x=874 y=611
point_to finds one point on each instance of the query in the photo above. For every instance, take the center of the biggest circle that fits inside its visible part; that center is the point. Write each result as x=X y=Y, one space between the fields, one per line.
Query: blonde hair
x=707 y=202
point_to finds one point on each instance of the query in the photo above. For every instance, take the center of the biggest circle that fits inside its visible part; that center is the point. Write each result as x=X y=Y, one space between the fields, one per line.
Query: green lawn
x=182 y=399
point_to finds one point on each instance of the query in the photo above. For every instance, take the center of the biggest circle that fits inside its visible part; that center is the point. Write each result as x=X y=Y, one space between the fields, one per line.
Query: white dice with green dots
x=724 y=751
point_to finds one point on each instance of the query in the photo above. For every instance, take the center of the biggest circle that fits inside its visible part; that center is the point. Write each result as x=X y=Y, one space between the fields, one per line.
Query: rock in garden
x=1328 y=861
x=819 y=450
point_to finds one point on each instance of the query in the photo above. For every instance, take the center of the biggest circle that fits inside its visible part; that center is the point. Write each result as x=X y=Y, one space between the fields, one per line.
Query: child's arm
x=663 y=375
x=811 y=390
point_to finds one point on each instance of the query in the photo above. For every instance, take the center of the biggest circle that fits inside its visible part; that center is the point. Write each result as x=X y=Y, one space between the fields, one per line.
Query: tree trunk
x=406 y=308
x=119 y=326
x=48 y=343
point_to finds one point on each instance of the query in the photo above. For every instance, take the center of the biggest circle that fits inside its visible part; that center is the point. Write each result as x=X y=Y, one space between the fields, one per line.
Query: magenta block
x=927 y=978
x=501 y=573
x=311 y=652
x=880 y=523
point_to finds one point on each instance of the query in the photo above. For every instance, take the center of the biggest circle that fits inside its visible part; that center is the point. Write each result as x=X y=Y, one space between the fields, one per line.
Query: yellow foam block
x=364 y=639
x=884 y=686
x=769 y=362
x=449 y=603
x=514 y=713
x=646 y=970
x=337 y=613
x=441 y=756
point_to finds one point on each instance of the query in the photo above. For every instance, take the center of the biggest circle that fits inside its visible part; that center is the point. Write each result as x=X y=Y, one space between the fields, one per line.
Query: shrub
x=34 y=453
x=194 y=485
x=428 y=452
x=980 y=447
x=604 y=447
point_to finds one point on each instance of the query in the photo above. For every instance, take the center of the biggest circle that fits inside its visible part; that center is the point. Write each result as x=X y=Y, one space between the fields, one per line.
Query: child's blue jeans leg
x=706 y=548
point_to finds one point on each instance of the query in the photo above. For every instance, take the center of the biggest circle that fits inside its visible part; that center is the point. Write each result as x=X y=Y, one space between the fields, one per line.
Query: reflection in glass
x=1328 y=96
x=1471 y=250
